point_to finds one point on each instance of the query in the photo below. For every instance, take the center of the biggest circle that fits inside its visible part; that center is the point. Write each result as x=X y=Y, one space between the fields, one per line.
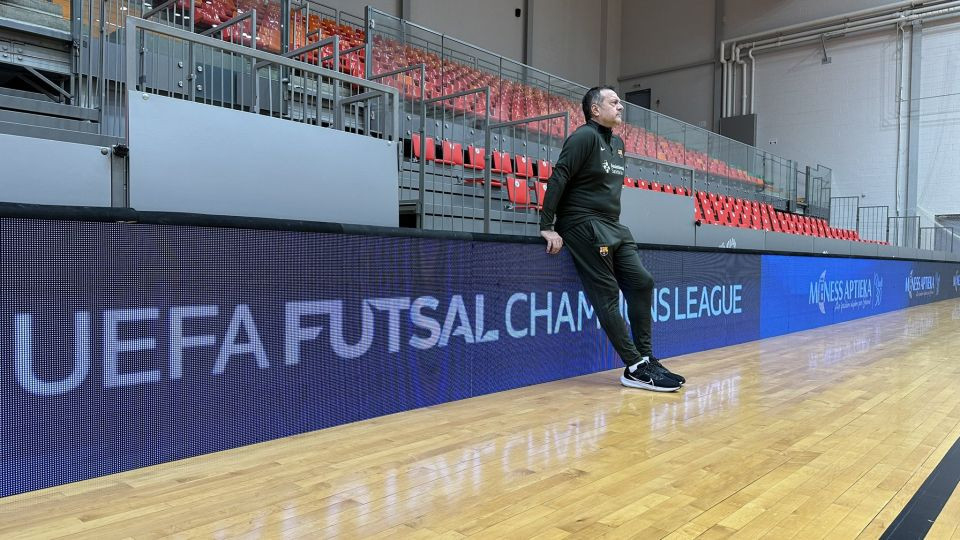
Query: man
x=583 y=194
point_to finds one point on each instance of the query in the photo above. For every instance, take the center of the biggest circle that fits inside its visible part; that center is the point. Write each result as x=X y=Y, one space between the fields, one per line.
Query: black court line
x=918 y=515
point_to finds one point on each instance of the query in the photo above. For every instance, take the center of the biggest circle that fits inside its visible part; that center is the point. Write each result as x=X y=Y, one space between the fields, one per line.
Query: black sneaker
x=655 y=362
x=647 y=378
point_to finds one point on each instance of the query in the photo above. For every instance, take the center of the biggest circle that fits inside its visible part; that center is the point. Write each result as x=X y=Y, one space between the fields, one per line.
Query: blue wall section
x=807 y=292
x=123 y=346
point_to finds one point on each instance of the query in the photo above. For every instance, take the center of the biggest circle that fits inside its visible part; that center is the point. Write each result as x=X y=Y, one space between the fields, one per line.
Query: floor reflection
x=696 y=401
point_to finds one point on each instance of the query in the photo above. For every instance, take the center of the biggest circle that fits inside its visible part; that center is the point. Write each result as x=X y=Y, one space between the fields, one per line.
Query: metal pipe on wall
x=889 y=13
x=939 y=11
x=753 y=77
x=743 y=83
x=897 y=6
x=872 y=22
x=725 y=86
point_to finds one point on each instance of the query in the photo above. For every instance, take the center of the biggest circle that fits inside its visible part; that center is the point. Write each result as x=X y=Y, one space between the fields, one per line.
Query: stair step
x=47 y=108
x=33 y=30
x=34 y=17
x=44 y=6
x=39 y=120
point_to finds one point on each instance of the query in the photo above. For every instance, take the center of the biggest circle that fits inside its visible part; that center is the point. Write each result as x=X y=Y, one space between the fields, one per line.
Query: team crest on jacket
x=620 y=151
x=604 y=251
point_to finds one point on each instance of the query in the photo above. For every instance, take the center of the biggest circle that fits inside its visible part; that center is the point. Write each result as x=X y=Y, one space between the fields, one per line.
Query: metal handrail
x=252 y=14
x=422 y=172
x=489 y=165
x=712 y=138
x=261 y=58
x=158 y=9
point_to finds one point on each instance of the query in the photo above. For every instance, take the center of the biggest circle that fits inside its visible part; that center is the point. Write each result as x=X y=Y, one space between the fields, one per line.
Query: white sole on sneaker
x=630 y=383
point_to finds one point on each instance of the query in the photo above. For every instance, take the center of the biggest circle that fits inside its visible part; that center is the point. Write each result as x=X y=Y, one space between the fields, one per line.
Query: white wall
x=939 y=149
x=742 y=17
x=842 y=114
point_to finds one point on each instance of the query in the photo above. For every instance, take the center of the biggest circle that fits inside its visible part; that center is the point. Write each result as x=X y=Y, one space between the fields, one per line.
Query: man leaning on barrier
x=583 y=196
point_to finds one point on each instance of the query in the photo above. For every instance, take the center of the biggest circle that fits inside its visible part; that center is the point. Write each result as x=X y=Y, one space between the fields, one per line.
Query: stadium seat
x=431 y=149
x=518 y=193
x=476 y=158
x=541 y=188
x=501 y=163
x=524 y=166
x=544 y=169
x=451 y=153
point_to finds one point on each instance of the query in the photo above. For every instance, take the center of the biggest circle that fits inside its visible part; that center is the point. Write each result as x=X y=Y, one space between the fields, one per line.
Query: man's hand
x=554 y=242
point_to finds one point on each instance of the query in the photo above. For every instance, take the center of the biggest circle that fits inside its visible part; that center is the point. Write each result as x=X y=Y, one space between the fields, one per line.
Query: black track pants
x=608 y=262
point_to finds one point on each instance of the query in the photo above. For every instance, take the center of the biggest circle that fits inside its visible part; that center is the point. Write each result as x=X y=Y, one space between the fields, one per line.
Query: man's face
x=609 y=112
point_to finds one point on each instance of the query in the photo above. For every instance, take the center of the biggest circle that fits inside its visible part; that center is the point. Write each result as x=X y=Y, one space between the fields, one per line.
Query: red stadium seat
x=544 y=169
x=501 y=163
x=541 y=188
x=431 y=150
x=476 y=158
x=524 y=166
x=451 y=153
x=518 y=192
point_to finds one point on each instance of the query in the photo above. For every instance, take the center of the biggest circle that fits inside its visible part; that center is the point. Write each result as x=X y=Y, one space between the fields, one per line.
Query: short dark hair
x=592 y=96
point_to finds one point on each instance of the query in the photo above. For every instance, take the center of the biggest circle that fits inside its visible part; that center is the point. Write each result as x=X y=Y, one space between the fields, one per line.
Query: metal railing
x=242 y=78
x=533 y=140
x=99 y=41
x=651 y=138
x=409 y=82
x=872 y=223
x=936 y=238
x=904 y=231
x=817 y=192
x=844 y=212
x=460 y=171
x=449 y=197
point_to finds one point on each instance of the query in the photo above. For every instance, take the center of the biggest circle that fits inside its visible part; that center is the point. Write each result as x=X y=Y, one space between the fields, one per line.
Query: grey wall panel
x=865 y=250
x=913 y=253
x=490 y=24
x=788 y=242
x=940 y=255
x=833 y=247
x=685 y=94
x=887 y=251
x=658 y=218
x=41 y=171
x=567 y=40
x=729 y=237
x=352 y=7
x=188 y=157
x=659 y=35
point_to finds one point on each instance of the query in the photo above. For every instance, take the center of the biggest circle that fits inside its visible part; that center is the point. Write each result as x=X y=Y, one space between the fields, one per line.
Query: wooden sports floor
x=827 y=433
